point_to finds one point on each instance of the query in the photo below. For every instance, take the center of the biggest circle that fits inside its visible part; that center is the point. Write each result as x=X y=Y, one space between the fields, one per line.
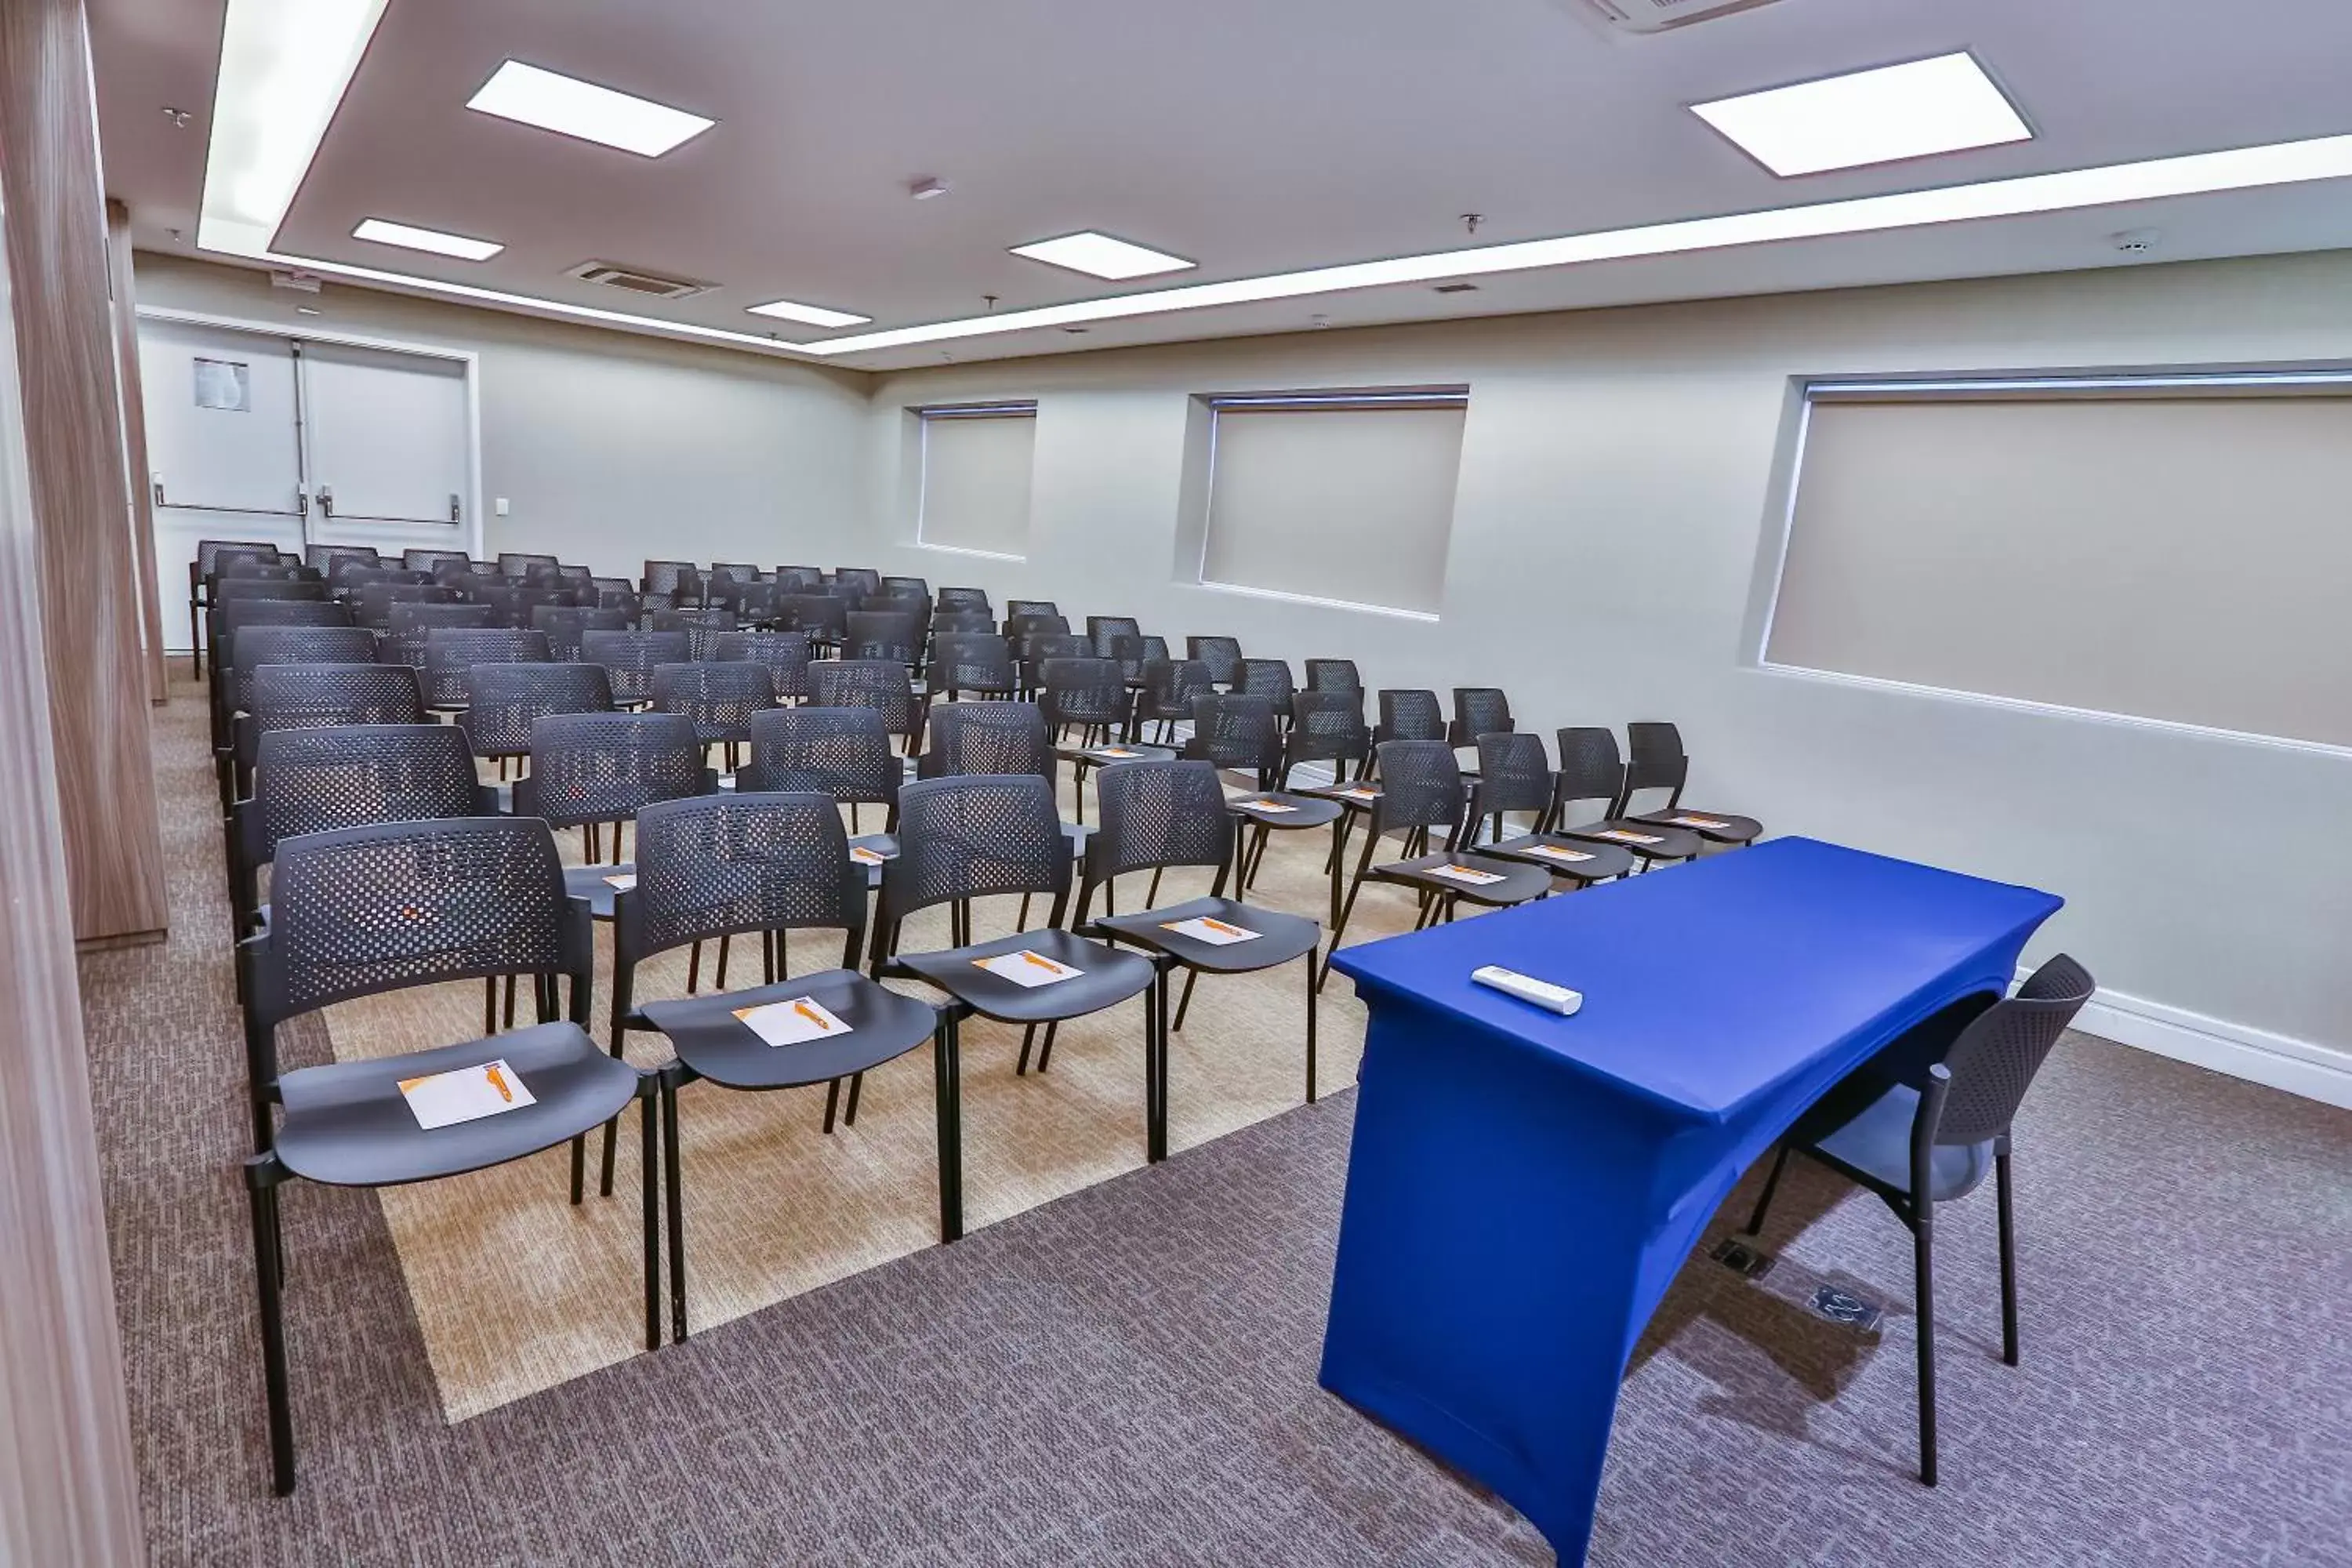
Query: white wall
x=611 y=448
x=1618 y=509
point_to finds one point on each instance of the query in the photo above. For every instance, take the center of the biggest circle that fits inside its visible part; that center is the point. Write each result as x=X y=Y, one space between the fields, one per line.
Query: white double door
x=298 y=441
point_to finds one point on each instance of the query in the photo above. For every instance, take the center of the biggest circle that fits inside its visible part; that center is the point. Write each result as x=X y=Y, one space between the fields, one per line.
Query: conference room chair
x=1222 y=655
x=1421 y=791
x=909 y=587
x=1654 y=761
x=1035 y=650
x=578 y=577
x=861 y=581
x=613 y=584
x=1479 y=710
x=344 y=775
x=1169 y=687
x=211 y=555
x=231 y=618
x=961 y=839
x=970 y=599
x=841 y=752
x=719 y=698
x=452 y=652
x=376 y=600
x=629 y=659
x=1128 y=653
x=312 y=697
x=242 y=580
x=518 y=563
x=1326 y=727
x=785 y=655
x=1269 y=678
x=404 y=640
x=250 y=647
x=1101 y=629
x=1159 y=815
x=732 y=572
x=946 y=623
x=881 y=684
x=752 y=603
x=1933 y=1140
x=894 y=636
x=324 y=558
x=1021 y=627
x=823 y=618
x=1515 y=775
x=529 y=601
x=504 y=700
x=733 y=866
x=344 y=923
x=967 y=738
x=1089 y=694
x=1238 y=733
x=701 y=627
x=563 y=627
x=1406 y=713
x=1591 y=769
x=594 y=771
x=349 y=579
x=978 y=662
x=792 y=579
x=1014 y=608
x=679 y=581
x=427 y=560
x=1335 y=675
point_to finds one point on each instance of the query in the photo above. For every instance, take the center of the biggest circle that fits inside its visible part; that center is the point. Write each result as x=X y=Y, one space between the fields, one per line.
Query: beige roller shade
x=1346 y=502
x=976 y=480
x=2179 y=557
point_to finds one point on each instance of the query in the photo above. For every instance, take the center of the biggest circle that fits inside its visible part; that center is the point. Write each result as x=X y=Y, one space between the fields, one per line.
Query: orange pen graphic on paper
x=498 y=1081
x=1047 y=964
x=813 y=1016
x=1220 y=925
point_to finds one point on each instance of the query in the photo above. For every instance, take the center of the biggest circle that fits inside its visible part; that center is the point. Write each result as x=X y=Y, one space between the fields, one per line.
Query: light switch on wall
x=503 y=508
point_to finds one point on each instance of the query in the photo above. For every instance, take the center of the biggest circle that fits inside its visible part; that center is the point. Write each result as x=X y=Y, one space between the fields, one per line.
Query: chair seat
x=1106 y=977
x=348 y=1125
x=1605 y=860
x=1281 y=937
x=588 y=882
x=1673 y=843
x=1715 y=826
x=1356 y=795
x=1307 y=810
x=1876 y=1147
x=1101 y=756
x=1520 y=882
x=710 y=1039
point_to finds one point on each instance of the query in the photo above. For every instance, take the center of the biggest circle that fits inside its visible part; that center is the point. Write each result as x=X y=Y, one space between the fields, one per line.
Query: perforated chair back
x=679 y=578
x=1514 y=773
x=518 y=563
x=718 y=697
x=1335 y=675
x=376 y=600
x=785 y=655
x=1993 y=1061
x=603 y=767
x=882 y=685
x=450 y=652
x=1170 y=685
x=1037 y=624
x=1101 y=629
x=344 y=775
x=843 y=752
x=972 y=837
x=235 y=617
x=361 y=910
x=946 y=623
x=907 y=588
x=792 y=578
x=1030 y=607
x=214 y=554
x=1158 y=814
x=504 y=700
x=746 y=601
x=426 y=560
x=1222 y=655
x=1236 y=732
x=1421 y=786
x=324 y=558
x=893 y=634
x=859 y=580
x=250 y=647
x=726 y=864
x=701 y=627
x=564 y=627
x=734 y=572
x=229 y=588
x=629 y=659
x=1589 y=769
x=314 y=696
x=969 y=661
x=964 y=599
x=1654 y=759
x=987 y=738
x=1479 y=710
x=1269 y=678
x=1410 y=714
x=824 y=617
x=1038 y=651
x=412 y=627
x=1327 y=727
x=1083 y=691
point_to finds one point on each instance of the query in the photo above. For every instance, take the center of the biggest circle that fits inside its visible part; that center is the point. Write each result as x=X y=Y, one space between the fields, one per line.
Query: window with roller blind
x=1341 y=497
x=2167 y=547
x=976 y=461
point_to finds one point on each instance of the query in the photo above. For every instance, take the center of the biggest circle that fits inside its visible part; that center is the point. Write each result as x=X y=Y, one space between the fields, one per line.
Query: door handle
x=157 y=481
x=326 y=501
x=455 y=515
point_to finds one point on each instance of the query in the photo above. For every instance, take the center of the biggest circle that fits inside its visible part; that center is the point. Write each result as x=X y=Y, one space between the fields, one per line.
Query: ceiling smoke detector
x=1656 y=16
x=928 y=186
x=651 y=285
x=2136 y=241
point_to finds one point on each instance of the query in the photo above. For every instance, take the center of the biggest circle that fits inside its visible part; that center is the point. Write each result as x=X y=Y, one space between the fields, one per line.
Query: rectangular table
x=1522 y=1187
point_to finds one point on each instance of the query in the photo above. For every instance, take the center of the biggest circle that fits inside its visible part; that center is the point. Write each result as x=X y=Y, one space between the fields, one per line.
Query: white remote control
x=1551 y=998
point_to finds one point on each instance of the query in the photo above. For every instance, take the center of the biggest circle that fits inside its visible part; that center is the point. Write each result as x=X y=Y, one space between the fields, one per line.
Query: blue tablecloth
x=1522 y=1186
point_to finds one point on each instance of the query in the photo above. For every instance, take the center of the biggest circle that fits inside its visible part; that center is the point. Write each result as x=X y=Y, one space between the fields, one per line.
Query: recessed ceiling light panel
x=814 y=315
x=1946 y=104
x=378 y=231
x=1100 y=256
x=574 y=108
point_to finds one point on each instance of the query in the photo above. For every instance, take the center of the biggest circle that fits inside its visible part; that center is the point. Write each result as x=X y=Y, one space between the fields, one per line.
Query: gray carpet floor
x=1125 y=1376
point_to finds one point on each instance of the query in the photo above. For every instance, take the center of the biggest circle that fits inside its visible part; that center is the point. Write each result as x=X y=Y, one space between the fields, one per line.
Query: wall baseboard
x=2279 y=1061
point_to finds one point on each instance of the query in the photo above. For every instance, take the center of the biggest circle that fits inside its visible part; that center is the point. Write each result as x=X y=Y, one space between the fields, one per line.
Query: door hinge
x=455 y=514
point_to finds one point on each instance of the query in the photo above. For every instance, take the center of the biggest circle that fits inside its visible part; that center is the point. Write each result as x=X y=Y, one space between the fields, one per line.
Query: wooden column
x=68 y=1490
x=141 y=522
x=55 y=219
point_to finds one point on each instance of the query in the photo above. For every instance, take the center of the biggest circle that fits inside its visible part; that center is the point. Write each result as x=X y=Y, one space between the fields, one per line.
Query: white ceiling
x=1251 y=136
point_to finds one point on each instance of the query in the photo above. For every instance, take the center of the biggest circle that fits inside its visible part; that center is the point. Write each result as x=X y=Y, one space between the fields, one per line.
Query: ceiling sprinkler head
x=924 y=187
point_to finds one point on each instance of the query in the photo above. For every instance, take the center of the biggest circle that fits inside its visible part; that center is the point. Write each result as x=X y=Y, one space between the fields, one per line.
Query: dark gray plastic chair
x=1269 y=678
x=978 y=662
x=1590 y=770
x=1222 y=655
x=589 y=770
x=630 y=658
x=968 y=738
x=1336 y=675
x=881 y=684
x=1514 y=775
x=358 y=911
x=1327 y=727
x=730 y=866
x=1169 y=688
x=1479 y=710
x=841 y=752
x=504 y=700
x=313 y=696
x=1654 y=759
x=786 y=655
x=720 y=698
x=1238 y=733
x=1933 y=1139
x=452 y=652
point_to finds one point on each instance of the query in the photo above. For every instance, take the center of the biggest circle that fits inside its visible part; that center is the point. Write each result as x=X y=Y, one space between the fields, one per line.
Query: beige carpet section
x=516 y=1290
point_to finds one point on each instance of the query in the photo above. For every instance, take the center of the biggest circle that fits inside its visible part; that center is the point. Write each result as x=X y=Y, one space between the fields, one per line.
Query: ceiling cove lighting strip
x=284 y=67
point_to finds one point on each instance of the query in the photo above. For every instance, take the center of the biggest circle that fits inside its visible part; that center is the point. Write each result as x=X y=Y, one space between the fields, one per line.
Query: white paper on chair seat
x=1216 y=933
x=1028 y=970
x=1626 y=836
x=865 y=856
x=621 y=884
x=1468 y=874
x=1557 y=852
x=465 y=1094
x=1116 y=754
x=1359 y=792
x=793 y=1022
x=1273 y=805
x=1708 y=823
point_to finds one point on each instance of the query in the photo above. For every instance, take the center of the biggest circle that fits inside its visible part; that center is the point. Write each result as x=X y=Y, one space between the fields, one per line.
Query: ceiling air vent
x=649 y=284
x=1661 y=15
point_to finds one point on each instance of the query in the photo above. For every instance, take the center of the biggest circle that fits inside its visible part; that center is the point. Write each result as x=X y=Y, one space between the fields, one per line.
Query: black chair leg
x=693 y=968
x=261 y=1177
x=1771 y=1185
x=1184 y=1002
x=2007 y=1261
x=948 y=1084
x=1028 y=1039
x=832 y=1102
x=1924 y=1268
x=1339 y=926
x=646 y=1168
x=676 y=1216
x=1045 y=1050
x=1314 y=1002
x=719 y=984
x=579 y=1170
x=849 y=1112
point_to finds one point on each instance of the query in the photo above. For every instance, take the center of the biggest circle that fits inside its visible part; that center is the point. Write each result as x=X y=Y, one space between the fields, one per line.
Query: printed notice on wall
x=224 y=384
